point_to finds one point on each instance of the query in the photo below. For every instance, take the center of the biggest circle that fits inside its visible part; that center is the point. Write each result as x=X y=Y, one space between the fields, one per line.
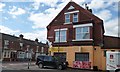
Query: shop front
x=77 y=56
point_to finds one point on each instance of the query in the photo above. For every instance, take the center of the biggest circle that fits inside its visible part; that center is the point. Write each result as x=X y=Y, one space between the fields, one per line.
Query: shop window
x=81 y=56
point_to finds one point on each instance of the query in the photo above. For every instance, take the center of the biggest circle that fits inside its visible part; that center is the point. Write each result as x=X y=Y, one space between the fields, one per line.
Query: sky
x=30 y=17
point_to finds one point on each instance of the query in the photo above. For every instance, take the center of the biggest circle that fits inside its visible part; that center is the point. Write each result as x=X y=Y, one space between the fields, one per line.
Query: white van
x=113 y=61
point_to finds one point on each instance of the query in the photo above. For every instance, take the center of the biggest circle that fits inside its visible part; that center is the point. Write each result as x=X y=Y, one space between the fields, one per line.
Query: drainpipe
x=93 y=41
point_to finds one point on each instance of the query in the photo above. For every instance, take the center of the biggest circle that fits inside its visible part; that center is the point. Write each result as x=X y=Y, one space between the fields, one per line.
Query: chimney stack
x=21 y=36
x=90 y=10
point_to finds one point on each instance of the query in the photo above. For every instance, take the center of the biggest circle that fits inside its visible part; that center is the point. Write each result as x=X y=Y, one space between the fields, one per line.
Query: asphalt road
x=23 y=67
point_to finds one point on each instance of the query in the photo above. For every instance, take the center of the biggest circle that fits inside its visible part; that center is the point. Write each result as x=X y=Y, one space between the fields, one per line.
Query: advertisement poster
x=82 y=64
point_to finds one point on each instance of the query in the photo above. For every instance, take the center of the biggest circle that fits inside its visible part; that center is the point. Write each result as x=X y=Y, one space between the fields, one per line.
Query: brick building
x=17 y=48
x=78 y=35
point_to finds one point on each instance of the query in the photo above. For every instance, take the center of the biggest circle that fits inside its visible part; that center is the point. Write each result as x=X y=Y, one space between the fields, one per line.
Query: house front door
x=13 y=56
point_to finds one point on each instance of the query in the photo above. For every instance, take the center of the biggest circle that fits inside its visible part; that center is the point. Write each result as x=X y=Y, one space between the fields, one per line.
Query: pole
x=28 y=63
x=59 y=40
x=28 y=59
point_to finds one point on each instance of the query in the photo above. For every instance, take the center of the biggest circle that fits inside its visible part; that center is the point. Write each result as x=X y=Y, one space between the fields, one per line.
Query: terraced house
x=78 y=35
x=20 y=49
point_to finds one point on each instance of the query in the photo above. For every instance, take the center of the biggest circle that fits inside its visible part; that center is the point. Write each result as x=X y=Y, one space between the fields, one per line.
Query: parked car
x=51 y=61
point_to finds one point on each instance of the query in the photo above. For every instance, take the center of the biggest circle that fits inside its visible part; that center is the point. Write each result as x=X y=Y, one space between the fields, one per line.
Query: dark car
x=51 y=61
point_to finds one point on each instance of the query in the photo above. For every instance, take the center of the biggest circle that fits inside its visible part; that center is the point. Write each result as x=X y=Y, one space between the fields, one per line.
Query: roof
x=111 y=42
x=85 y=16
x=84 y=12
x=17 y=39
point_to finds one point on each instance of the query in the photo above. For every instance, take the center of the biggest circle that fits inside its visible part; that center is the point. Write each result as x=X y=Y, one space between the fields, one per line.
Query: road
x=23 y=67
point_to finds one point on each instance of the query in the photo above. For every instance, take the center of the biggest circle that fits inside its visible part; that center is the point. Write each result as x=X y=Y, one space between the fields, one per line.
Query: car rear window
x=47 y=58
x=41 y=57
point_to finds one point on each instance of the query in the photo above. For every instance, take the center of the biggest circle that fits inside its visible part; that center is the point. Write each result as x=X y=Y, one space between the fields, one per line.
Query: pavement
x=23 y=67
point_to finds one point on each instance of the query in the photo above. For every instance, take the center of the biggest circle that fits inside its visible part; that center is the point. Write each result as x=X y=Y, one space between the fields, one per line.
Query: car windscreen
x=59 y=58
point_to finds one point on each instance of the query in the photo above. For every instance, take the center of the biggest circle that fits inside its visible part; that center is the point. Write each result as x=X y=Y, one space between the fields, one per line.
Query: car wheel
x=60 y=67
x=40 y=65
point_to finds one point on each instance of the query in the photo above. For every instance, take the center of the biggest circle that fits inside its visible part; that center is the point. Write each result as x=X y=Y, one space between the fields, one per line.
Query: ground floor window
x=81 y=56
x=21 y=55
x=6 y=54
x=61 y=54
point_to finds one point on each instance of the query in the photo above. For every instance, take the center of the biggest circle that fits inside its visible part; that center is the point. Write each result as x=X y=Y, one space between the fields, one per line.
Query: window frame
x=82 y=55
x=59 y=31
x=75 y=17
x=66 y=19
x=82 y=33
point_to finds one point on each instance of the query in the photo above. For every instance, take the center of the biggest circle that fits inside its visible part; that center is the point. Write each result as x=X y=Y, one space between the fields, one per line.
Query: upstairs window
x=6 y=43
x=75 y=17
x=67 y=18
x=82 y=33
x=60 y=37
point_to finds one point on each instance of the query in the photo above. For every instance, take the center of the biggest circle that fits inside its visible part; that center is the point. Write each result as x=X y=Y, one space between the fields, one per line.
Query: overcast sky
x=30 y=17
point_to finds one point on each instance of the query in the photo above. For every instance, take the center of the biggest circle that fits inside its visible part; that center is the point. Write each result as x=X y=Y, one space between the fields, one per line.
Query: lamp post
x=28 y=55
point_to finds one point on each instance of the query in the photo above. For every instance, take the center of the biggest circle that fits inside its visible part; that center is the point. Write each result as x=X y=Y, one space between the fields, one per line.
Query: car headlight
x=64 y=63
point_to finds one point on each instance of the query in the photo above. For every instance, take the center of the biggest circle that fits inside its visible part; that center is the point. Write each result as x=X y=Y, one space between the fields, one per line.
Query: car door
x=46 y=61
x=52 y=62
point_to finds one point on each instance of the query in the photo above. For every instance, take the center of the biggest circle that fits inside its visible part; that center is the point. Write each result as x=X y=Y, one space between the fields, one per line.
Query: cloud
x=111 y=27
x=6 y=18
x=51 y=3
x=95 y=4
x=41 y=20
x=104 y=15
x=17 y=11
x=40 y=34
x=7 y=30
x=35 y=5
x=2 y=6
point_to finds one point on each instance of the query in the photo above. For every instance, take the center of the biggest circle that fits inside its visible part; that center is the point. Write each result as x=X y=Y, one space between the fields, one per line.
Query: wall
x=70 y=51
x=97 y=57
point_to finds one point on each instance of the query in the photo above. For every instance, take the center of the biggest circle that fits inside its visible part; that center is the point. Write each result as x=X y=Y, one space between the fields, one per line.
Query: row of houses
x=78 y=35
x=14 y=48
x=75 y=33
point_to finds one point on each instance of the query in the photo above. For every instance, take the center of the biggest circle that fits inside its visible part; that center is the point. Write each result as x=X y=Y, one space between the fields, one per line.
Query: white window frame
x=83 y=25
x=42 y=49
x=6 y=43
x=72 y=12
x=67 y=18
x=75 y=17
x=57 y=30
x=81 y=33
x=21 y=55
x=7 y=54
